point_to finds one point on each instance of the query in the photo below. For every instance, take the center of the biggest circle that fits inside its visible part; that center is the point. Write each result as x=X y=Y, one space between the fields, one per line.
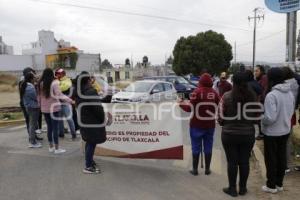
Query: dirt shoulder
x=291 y=181
x=8 y=99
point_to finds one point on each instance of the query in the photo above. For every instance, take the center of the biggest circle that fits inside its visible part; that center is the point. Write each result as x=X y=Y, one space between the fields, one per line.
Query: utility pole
x=255 y=18
x=291 y=35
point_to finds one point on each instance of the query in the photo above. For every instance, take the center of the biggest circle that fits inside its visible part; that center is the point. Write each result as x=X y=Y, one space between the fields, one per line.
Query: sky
x=120 y=29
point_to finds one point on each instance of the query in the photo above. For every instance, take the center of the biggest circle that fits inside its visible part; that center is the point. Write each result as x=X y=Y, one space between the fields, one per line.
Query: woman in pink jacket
x=50 y=98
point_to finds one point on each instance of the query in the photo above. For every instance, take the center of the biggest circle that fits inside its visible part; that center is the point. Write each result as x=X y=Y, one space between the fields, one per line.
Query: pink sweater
x=53 y=104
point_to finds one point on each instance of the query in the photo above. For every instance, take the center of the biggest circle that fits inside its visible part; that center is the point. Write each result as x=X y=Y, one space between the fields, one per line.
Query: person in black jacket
x=92 y=120
x=254 y=85
x=238 y=131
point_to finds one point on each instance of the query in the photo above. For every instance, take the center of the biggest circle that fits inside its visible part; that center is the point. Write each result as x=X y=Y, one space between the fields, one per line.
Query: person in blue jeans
x=203 y=103
x=66 y=112
x=65 y=85
x=202 y=140
x=29 y=97
x=52 y=126
x=50 y=98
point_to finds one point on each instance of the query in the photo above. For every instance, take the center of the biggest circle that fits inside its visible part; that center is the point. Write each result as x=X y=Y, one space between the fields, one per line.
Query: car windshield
x=102 y=82
x=178 y=80
x=139 y=87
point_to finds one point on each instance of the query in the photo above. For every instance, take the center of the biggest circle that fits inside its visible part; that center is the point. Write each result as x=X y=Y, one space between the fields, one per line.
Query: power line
x=262 y=38
x=139 y=14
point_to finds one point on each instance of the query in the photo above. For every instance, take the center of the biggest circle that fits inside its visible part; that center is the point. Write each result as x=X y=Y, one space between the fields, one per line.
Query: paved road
x=35 y=174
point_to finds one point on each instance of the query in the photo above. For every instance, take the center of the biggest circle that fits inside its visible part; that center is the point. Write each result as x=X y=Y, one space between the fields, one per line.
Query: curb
x=261 y=161
x=12 y=122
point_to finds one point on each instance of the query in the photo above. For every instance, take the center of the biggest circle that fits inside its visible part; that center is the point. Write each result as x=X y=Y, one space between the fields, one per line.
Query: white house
x=46 y=44
x=5 y=49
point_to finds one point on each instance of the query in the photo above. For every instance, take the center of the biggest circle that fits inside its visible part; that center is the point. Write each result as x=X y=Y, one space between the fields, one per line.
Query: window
x=158 y=87
x=168 y=87
x=127 y=75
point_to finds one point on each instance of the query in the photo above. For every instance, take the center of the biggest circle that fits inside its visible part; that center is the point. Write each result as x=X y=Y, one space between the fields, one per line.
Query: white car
x=146 y=91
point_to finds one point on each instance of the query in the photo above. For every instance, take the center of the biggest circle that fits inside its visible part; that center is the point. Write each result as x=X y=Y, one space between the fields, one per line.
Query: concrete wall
x=14 y=62
x=86 y=62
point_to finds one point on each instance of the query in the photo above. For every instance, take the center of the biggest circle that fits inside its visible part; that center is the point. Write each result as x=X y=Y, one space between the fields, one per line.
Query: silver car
x=146 y=91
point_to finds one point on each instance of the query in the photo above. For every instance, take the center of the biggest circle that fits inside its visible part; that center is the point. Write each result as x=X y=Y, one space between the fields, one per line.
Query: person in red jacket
x=261 y=78
x=203 y=103
x=223 y=84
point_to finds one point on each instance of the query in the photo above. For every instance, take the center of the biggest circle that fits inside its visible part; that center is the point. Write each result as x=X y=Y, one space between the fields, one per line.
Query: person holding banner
x=203 y=103
x=92 y=120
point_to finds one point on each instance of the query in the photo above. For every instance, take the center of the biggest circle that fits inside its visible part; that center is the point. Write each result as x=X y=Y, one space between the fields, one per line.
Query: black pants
x=275 y=158
x=89 y=154
x=238 y=151
x=75 y=118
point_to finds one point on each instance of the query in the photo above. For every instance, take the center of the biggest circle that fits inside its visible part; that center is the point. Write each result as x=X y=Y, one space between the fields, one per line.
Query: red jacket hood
x=205 y=81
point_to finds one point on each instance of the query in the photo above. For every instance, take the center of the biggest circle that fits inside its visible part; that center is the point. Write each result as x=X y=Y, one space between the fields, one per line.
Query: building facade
x=5 y=49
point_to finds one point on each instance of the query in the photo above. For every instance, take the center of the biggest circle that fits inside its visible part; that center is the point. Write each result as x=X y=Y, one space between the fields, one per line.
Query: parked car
x=146 y=91
x=182 y=86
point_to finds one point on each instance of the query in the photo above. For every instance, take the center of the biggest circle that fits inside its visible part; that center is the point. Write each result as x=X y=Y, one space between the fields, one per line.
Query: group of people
x=267 y=100
x=254 y=98
x=55 y=96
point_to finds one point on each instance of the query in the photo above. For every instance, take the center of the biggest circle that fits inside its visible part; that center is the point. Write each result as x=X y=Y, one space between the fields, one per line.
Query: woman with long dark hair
x=238 y=132
x=28 y=95
x=50 y=97
x=276 y=125
x=92 y=120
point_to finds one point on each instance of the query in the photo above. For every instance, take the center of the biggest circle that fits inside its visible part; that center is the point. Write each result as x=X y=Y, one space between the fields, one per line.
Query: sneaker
x=59 y=151
x=91 y=170
x=38 y=131
x=280 y=189
x=51 y=150
x=269 y=190
x=37 y=145
x=78 y=132
x=287 y=170
x=297 y=168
